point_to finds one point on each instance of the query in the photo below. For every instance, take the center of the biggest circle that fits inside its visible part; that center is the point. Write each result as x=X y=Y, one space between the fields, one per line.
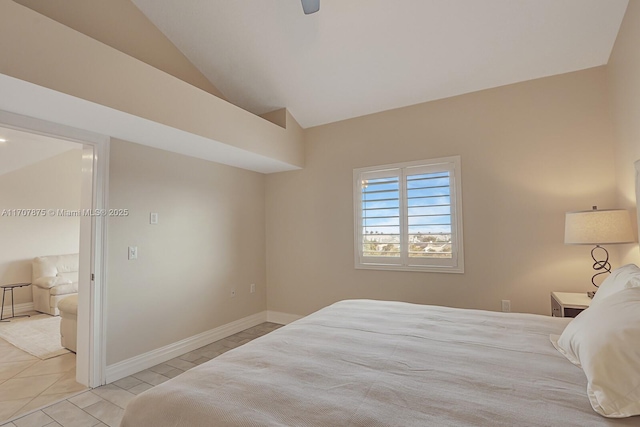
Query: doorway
x=40 y=193
x=90 y=358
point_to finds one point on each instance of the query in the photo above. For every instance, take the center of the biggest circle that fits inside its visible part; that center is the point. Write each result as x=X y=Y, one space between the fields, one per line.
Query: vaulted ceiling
x=356 y=57
x=20 y=149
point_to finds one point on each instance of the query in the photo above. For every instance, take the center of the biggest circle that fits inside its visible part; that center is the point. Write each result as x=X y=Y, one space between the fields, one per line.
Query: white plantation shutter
x=380 y=240
x=408 y=216
x=430 y=215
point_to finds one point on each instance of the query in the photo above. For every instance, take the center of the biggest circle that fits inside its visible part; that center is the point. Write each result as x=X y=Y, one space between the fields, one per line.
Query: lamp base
x=599 y=265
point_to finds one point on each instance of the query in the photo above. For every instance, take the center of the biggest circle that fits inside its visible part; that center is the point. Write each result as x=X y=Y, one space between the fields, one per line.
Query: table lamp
x=598 y=227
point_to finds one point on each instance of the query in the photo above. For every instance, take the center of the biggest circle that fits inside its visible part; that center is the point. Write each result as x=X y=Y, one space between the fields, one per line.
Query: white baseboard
x=147 y=360
x=282 y=318
x=19 y=308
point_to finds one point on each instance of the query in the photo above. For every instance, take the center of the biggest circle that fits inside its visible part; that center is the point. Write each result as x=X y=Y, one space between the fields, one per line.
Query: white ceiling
x=356 y=57
x=23 y=149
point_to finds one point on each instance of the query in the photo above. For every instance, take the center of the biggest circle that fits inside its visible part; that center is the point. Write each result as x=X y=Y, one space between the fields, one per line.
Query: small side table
x=10 y=288
x=568 y=304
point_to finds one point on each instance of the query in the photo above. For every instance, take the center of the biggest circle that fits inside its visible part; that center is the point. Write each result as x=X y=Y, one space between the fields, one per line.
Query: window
x=408 y=216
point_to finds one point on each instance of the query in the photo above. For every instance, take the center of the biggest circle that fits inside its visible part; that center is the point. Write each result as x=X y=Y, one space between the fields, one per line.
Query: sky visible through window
x=428 y=202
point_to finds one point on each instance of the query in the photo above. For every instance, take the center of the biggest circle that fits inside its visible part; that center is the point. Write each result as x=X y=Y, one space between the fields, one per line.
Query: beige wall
x=121 y=25
x=530 y=152
x=50 y=184
x=623 y=74
x=210 y=237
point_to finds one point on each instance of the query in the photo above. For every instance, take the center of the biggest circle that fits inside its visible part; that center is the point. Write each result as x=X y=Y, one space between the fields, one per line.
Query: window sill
x=415 y=268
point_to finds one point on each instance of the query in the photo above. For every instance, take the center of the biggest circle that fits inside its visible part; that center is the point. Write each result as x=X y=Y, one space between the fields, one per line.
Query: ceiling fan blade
x=310 y=6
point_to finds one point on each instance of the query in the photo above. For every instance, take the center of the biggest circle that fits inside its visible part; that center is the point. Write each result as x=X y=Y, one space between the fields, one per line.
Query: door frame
x=91 y=364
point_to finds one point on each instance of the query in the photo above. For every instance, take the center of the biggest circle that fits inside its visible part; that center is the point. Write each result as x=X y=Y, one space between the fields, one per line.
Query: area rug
x=38 y=335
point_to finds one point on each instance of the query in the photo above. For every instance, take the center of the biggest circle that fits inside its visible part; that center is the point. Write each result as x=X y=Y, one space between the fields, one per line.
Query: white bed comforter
x=374 y=363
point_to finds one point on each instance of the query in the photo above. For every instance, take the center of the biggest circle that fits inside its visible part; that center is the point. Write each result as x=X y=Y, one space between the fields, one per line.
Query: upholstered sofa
x=54 y=278
x=68 y=307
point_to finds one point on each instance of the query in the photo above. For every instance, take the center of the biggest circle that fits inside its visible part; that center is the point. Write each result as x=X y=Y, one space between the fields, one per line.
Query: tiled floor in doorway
x=28 y=383
x=105 y=405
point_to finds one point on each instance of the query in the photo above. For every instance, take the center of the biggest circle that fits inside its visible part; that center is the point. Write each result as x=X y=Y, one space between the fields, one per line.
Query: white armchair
x=54 y=278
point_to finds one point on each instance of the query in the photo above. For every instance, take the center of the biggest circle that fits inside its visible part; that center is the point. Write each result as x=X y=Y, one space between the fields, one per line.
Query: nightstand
x=568 y=304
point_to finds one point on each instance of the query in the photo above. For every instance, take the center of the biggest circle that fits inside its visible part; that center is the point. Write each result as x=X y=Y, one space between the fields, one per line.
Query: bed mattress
x=379 y=363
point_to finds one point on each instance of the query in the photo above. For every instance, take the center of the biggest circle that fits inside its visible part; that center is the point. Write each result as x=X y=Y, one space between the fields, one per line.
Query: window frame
x=455 y=264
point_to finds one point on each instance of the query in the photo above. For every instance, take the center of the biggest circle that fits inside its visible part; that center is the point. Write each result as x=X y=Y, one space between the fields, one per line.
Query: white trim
x=97 y=338
x=43 y=127
x=19 y=308
x=151 y=358
x=282 y=318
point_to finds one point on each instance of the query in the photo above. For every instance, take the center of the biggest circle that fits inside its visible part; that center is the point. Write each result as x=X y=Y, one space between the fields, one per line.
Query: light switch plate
x=153 y=218
x=133 y=252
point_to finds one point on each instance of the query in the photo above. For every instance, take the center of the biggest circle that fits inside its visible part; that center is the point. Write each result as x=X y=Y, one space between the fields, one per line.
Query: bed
x=380 y=363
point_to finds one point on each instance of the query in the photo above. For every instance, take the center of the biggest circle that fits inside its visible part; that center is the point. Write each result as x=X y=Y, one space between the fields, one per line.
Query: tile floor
x=104 y=406
x=28 y=383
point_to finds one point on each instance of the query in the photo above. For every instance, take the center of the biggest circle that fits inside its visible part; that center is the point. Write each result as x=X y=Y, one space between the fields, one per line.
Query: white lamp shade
x=598 y=227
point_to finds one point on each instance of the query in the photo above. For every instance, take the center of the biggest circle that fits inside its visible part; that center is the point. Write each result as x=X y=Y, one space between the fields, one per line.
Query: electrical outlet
x=153 y=218
x=133 y=252
x=233 y=292
x=506 y=306
x=252 y=288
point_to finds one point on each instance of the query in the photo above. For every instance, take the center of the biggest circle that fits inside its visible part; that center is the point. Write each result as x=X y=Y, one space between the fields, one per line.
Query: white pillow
x=605 y=341
x=617 y=281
